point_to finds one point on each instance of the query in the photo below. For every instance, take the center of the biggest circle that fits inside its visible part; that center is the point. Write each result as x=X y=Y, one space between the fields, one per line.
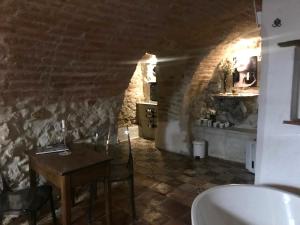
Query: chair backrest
x=104 y=141
x=108 y=143
x=3 y=184
x=130 y=158
x=101 y=141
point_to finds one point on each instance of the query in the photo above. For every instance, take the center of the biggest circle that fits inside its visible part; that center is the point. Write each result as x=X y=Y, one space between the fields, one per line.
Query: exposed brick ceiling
x=76 y=48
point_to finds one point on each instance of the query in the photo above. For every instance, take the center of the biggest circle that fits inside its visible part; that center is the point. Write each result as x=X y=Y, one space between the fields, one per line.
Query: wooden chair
x=120 y=171
x=25 y=202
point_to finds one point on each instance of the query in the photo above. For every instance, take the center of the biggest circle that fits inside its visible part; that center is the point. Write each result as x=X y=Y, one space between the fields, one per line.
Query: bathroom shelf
x=148 y=103
x=289 y=43
x=292 y=122
x=229 y=129
x=239 y=95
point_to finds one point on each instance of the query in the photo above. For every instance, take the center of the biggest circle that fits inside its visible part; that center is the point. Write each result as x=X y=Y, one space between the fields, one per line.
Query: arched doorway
x=139 y=107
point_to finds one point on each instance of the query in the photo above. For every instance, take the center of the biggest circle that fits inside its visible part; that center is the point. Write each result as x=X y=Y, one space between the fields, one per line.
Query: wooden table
x=83 y=166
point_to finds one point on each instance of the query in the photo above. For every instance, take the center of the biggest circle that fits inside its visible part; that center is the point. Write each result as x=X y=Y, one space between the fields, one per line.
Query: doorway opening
x=139 y=109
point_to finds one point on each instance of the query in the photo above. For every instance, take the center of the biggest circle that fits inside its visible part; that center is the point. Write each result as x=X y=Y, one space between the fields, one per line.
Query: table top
x=83 y=156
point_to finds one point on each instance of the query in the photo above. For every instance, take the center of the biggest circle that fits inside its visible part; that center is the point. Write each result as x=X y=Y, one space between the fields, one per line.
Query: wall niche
x=231 y=93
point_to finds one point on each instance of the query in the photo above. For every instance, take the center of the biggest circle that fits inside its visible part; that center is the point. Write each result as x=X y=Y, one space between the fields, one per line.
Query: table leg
x=107 y=192
x=32 y=177
x=66 y=202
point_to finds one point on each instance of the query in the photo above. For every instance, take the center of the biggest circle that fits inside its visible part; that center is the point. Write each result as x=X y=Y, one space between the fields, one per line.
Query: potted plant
x=225 y=68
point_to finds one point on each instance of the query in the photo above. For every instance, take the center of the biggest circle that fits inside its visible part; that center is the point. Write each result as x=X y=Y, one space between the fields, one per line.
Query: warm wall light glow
x=245 y=43
x=152 y=60
x=246 y=48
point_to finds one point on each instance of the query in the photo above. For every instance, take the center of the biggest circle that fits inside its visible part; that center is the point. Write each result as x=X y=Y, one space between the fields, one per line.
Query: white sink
x=245 y=205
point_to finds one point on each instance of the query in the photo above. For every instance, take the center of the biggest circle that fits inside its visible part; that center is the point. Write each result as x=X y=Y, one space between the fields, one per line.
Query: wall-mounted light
x=244 y=49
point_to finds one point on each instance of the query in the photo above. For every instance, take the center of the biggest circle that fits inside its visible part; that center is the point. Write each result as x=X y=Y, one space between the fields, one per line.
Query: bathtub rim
x=260 y=186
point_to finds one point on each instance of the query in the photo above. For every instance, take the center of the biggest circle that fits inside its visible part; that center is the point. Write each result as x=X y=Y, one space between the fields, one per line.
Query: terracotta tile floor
x=165 y=186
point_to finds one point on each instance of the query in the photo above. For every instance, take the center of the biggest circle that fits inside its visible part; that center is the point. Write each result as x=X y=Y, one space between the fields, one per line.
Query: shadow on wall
x=171 y=131
x=170 y=136
x=178 y=83
x=175 y=81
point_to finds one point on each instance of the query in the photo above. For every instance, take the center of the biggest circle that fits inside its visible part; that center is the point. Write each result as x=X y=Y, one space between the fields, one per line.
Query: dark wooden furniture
x=25 y=201
x=121 y=169
x=82 y=167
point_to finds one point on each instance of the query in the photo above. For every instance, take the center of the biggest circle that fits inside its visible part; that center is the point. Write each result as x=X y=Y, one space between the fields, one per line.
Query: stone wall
x=133 y=94
x=30 y=123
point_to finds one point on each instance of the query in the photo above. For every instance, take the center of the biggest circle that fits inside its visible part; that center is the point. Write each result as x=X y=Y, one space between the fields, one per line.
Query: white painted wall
x=229 y=144
x=278 y=144
x=170 y=136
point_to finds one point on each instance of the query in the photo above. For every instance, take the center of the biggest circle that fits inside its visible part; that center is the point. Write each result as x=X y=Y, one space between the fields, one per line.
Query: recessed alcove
x=230 y=102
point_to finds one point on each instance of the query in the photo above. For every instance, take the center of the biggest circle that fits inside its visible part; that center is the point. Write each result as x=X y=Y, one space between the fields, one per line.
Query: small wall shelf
x=238 y=95
x=289 y=43
x=292 y=122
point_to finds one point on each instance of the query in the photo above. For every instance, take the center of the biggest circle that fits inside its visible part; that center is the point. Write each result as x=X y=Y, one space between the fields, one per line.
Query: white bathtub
x=245 y=205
